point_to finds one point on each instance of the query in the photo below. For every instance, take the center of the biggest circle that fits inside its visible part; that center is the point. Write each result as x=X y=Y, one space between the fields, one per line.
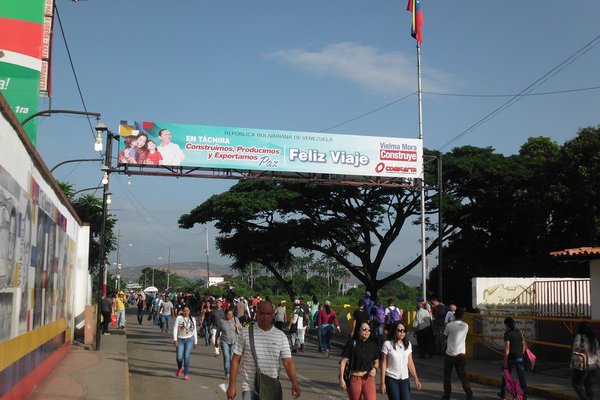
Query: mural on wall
x=36 y=258
x=504 y=297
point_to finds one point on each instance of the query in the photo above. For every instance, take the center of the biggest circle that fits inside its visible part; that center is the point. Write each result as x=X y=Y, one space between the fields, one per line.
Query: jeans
x=184 y=350
x=362 y=386
x=120 y=318
x=227 y=350
x=165 y=318
x=520 y=366
x=140 y=315
x=583 y=383
x=326 y=334
x=206 y=334
x=397 y=389
x=459 y=362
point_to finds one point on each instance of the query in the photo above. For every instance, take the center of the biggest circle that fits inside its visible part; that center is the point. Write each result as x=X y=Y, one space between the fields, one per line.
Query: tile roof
x=579 y=252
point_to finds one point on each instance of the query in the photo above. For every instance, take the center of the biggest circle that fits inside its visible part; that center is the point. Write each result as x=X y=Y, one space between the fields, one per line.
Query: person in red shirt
x=327 y=320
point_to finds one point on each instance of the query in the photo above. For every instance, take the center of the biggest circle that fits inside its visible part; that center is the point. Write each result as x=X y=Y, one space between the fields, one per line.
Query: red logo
x=379 y=167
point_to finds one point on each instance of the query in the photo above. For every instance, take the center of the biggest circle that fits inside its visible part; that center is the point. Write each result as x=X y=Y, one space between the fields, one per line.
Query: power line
x=73 y=68
x=538 y=82
x=370 y=112
x=513 y=95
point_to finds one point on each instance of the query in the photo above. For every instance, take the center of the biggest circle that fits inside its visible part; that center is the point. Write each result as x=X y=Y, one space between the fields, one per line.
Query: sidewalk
x=547 y=381
x=89 y=374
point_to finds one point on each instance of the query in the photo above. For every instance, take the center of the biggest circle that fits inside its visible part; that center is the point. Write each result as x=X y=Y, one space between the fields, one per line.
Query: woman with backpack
x=585 y=351
x=327 y=322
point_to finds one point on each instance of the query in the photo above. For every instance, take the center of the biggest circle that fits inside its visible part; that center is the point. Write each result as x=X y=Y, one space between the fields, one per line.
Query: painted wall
x=44 y=279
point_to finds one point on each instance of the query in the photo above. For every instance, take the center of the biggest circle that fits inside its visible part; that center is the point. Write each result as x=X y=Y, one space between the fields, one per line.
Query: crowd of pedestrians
x=379 y=341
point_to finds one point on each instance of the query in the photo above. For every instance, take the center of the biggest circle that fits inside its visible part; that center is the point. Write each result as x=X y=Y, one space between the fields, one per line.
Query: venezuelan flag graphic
x=414 y=6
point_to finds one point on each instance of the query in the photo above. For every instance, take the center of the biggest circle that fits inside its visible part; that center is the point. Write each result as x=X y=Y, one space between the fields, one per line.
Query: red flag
x=414 y=6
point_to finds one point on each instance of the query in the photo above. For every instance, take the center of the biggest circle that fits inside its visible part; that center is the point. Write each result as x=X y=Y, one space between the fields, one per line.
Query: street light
x=106 y=200
x=207 y=263
x=168 y=267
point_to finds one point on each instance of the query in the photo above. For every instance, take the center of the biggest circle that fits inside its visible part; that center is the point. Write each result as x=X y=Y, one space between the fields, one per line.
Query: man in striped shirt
x=271 y=346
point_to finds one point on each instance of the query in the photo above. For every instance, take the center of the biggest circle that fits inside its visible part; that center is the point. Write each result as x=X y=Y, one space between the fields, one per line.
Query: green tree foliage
x=89 y=210
x=264 y=221
x=511 y=211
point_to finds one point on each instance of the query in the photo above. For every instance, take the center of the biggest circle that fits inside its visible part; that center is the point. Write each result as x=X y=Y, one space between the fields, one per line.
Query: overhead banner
x=153 y=143
x=25 y=33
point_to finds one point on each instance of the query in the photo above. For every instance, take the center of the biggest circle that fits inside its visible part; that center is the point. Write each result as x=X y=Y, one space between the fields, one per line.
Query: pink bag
x=512 y=385
x=531 y=358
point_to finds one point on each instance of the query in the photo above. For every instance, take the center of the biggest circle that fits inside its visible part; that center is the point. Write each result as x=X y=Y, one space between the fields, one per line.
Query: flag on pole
x=414 y=6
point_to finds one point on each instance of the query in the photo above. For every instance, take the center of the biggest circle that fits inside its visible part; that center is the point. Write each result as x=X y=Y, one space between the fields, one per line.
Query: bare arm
x=235 y=365
x=382 y=388
x=290 y=369
x=343 y=362
x=413 y=371
x=506 y=351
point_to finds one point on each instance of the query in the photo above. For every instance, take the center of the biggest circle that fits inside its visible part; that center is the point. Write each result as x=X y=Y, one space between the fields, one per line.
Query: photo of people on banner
x=139 y=149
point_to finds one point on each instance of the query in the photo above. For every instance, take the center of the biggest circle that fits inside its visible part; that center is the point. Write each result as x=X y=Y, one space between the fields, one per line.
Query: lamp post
x=168 y=266
x=207 y=263
x=106 y=200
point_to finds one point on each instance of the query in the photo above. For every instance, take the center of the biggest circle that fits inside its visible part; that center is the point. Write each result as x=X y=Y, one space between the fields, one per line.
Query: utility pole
x=169 y=267
x=207 y=263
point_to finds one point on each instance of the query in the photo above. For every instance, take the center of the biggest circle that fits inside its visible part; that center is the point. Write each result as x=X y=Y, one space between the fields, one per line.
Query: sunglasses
x=401 y=330
x=366 y=329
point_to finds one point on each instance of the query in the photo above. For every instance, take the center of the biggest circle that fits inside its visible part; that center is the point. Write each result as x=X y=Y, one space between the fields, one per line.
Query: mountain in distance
x=192 y=270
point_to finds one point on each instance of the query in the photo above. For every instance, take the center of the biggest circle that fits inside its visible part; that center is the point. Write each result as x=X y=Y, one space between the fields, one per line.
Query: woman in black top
x=363 y=354
x=514 y=347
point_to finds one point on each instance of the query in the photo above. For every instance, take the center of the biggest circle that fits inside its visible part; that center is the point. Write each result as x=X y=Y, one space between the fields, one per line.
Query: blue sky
x=307 y=66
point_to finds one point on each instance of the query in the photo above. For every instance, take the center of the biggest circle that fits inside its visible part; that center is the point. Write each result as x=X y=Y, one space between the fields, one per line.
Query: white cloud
x=369 y=67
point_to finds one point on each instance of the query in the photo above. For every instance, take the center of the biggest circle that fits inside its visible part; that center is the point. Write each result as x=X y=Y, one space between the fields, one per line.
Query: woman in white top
x=184 y=338
x=396 y=363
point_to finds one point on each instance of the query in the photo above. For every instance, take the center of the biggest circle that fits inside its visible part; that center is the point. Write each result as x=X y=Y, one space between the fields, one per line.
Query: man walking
x=297 y=327
x=271 y=346
x=106 y=310
x=456 y=331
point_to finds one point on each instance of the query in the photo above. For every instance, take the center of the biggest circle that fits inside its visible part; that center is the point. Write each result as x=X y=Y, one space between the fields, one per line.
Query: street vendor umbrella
x=151 y=289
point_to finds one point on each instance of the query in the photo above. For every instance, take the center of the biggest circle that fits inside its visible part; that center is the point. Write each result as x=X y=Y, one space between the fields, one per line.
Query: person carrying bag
x=584 y=361
x=266 y=387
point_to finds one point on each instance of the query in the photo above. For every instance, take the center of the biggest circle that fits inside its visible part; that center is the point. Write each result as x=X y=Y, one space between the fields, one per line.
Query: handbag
x=113 y=319
x=348 y=368
x=530 y=358
x=294 y=328
x=265 y=386
x=512 y=385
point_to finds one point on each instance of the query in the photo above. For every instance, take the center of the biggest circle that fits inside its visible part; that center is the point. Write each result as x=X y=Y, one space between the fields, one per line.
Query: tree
x=265 y=221
x=89 y=210
x=513 y=210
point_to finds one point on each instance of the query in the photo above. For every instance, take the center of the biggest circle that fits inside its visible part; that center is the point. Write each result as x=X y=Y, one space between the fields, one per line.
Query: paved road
x=152 y=365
